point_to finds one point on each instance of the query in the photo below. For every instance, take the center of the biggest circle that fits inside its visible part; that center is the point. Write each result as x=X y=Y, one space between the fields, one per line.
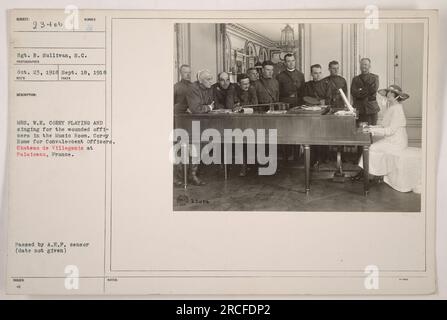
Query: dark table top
x=311 y=128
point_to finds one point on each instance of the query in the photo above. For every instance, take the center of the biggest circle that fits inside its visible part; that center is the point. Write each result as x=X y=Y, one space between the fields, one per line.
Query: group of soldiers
x=288 y=86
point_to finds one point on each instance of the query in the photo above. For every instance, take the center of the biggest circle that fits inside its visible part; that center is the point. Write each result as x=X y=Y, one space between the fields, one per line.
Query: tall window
x=263 y=55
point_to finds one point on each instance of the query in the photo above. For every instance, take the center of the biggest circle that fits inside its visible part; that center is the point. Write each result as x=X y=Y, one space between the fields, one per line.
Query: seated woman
x=393 y=136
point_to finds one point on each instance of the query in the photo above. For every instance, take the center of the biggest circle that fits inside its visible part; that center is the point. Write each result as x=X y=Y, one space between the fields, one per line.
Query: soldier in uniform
x=253 y=75
x=291 y=83
x=200 y=100
x=245 y=92
x=245 y=95
x=364 y=89
x=332 y=84
x=267 y=88
x=313 y=88
x=223 y=92
x=181 y=89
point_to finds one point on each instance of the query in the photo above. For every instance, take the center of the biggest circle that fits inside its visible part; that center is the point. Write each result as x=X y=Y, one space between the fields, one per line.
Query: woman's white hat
x=396 y=89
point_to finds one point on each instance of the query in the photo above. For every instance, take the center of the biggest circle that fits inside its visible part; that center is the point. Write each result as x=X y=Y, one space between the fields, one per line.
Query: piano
x=306 y=129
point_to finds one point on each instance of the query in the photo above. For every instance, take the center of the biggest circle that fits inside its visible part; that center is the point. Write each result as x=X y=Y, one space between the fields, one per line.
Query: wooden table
x=293 y=129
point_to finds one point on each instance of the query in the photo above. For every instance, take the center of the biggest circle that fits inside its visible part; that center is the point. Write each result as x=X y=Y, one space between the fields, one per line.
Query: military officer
x=200 y=100
x=181 y=89
x=253 y=75
x=200 y=93
x=267 y=88
x=245 y=92
x=245 y=95
x=313 y=88
x=332 y=84
x=223 y=92
x=364 y=89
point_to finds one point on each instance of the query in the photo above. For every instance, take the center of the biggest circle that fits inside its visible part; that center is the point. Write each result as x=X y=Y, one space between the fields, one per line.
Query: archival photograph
x=222 y=152
x=294 y=116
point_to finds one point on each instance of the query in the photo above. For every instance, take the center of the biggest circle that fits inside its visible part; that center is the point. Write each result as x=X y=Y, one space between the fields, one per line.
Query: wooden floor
x=284 y=191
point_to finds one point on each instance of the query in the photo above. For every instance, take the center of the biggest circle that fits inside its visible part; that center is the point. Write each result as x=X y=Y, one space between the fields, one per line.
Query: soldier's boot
x=193 y=175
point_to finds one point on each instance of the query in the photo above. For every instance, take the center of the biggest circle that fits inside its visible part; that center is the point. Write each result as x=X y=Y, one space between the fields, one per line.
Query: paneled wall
x=204 y=50
x=397 y=52
x=411 y=43
x=197 y=45
x=323 y=43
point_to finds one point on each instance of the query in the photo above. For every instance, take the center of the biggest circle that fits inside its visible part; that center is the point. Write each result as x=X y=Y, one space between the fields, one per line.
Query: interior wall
x=374 y=45
x=397 y=51
x=412 y=39
x=324 y=45
x=203 y=48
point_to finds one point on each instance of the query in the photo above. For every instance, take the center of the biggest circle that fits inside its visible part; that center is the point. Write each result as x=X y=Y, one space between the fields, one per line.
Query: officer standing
x=267 y=88
x=364 y=89
x=332 y=84
x=291 y=83
x=181 y=89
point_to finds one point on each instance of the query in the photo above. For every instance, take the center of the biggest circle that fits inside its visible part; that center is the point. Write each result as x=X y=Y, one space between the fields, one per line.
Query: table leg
x=307 y=166
x=366 y=169
x=339 y=162
x=225 y=161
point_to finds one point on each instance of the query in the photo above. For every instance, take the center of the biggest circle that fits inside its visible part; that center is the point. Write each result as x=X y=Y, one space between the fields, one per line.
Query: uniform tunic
x=364 y=89
x=199 y=98
x=246 y=97
x=180 y=91
x=394 y=140
x=267 y=90
x=314 y=89
x=223 y=98
x=331 y=84
x=291 y=87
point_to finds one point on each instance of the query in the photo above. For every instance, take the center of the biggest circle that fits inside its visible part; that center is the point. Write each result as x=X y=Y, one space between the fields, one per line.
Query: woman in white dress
x=393 y=134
